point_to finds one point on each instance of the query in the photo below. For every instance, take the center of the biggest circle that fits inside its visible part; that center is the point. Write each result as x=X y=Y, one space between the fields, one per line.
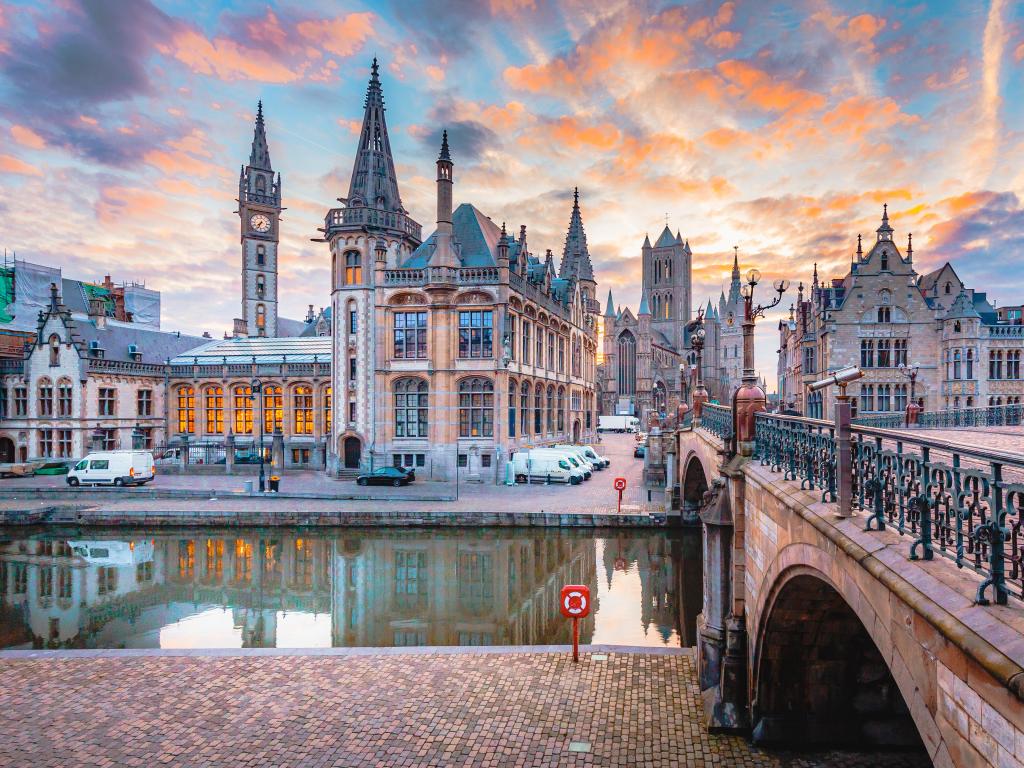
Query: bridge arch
x=696 y=481
x=821 y=676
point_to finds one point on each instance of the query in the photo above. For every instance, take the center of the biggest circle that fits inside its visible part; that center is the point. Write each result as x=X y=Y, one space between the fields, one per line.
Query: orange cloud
x=9 y=164
x=27 y=137
x=118 y=203
x=341 y=36
x=857 y=117
x=1018 y=53
x=758 y=89
x=226 y=59
x=724 y=40
x=89 y=120
x=572 y=134
x=861 y=30
x=352 y=126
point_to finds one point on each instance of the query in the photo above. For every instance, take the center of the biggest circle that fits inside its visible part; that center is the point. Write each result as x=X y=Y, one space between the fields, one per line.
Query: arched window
x=476 y=407
x=551 y=408
x=560 y=410
x=302 y=410
x=261 y=255
x=327 y=410
x=524 y=409
x=186 y=410
x=353 y=268
x=538 y=410
x=668 y=307
x=273 y=409
x=970 y=363
x=956 y=364
x=261 y=317
x=243 y=410
x=261 y=184
x=45 y=398
x=54 y=343
x=627 y=363
x=411 y=399
x=261 y=286
x=885 y=260
x=214 y=403
x=513 y=394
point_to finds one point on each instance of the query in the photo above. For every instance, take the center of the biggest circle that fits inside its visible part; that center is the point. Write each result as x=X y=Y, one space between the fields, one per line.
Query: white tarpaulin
x=31 y=293
x=143 y=304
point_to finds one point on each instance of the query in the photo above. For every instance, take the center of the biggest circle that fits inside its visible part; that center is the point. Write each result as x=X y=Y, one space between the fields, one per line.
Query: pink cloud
x=9 y=164
x=27 y=137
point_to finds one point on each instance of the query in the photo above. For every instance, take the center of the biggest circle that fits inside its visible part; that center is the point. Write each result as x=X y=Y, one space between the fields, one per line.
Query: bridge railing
x=964 y=503
x=717 y=419
x=986 y=416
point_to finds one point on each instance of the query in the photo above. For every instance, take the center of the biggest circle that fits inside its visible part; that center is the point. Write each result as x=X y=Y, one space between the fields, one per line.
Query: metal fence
x=717 y=419
x=954 y=418
x=962 y=503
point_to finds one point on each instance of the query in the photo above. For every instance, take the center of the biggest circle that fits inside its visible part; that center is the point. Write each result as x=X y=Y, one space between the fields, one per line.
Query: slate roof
x=474 y=241
x=962 y=307
x=265 y=350
x=156 y=346
x=666 y=239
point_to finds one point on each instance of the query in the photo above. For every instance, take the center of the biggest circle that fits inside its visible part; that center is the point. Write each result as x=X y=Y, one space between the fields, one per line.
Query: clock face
x=260 y=222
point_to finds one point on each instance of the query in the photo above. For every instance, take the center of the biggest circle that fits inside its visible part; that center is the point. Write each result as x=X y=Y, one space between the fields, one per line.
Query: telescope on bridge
x=840 y=378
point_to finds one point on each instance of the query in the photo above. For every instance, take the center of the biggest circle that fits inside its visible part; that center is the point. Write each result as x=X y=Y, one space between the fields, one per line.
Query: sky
x=780 y=128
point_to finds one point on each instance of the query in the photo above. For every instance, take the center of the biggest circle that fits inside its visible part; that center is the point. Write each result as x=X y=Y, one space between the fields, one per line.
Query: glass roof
x=265 y=350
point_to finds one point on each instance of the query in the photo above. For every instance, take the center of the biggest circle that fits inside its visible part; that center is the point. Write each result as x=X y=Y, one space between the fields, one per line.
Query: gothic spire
x=735 y=263
x=575 y=255
x=374 y=183
x=885 y=231
x=259 y=157
x=645 y=307
x=609 y=310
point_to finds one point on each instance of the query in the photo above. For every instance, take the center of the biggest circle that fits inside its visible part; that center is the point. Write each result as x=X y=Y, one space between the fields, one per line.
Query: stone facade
x=884 y=314
x=451 y=352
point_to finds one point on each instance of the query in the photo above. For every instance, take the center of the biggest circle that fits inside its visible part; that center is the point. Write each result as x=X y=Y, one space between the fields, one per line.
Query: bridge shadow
x=821 y=680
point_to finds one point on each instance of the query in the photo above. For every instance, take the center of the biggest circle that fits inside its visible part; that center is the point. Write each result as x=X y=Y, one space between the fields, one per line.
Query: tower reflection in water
x=282 y=588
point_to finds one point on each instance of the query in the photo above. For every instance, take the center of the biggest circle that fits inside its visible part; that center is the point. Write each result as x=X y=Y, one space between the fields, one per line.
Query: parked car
x=640 y=451
x=395 y=476
x=113 y=468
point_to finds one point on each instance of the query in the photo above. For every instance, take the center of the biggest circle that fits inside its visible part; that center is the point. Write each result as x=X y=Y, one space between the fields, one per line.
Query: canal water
x=289 y=588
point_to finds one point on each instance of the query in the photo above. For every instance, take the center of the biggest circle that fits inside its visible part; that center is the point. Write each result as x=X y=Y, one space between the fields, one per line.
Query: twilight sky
x=778 y=127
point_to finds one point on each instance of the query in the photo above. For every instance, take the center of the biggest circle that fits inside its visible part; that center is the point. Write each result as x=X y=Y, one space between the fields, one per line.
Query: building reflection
x=393 y=588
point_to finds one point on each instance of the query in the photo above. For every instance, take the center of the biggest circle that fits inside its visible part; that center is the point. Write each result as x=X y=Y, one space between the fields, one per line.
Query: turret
x=443 y=255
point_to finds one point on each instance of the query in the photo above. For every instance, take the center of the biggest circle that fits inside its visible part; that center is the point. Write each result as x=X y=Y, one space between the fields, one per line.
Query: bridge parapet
x=953 y=418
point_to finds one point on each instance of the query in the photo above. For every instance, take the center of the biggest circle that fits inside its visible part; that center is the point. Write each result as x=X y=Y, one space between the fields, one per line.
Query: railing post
x=993 y=533
x=844 y=457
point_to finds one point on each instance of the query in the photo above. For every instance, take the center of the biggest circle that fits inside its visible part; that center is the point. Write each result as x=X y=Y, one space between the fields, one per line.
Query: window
x=995 y=366
x=560 y=410
x=214 y=411
x=186 y=410
x=54 y=350
x=243 y=410
x=538 y=359
x=273 y=409
x=970 y=363
x=352 y=369
x=475 y=329
x=1013 y=364
x=524 y=409
x=551 y=409
x=475 y=577
x=46 y=442
x=885 y=314
x=884 y=397
x=411 y=397
x=261 y=255
x=261 y=318
x=885 y=260
x=302 y=410
x=476 y=407
x=867 y=397
x=353 y=268
x=561 y=353
x=64 y=443
x=513 y=394
x=144 y=402
x=512 y=335
x=21 y=401
x=63 y=399
x=409 y=460
x=353 y=321
x=463 y=461
x=899 y=349
x=867 y=354
x=411 y=577
x=300 y=455
x=45 y=398
x=327 y=411
x=485 y=460
x=538 y=410
x=526 y=343
x=108 y=397
x=809 y=360
x=884 y=359
x=107 y=579
x=551 y=350
x=949 y=288
x=410 y=335
x=352 y=411
x=261 y=286
x=147 y=436
x=956 y=364
x=65 y=583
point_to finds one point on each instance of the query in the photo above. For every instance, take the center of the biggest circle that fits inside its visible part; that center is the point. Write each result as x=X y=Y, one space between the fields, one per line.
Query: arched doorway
x=6 y=450
x=576 y=431
x=695 y=485
x=821 y=681
x=353 y=452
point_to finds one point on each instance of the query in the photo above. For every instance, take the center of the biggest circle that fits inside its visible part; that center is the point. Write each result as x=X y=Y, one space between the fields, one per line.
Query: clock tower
x=259 y=211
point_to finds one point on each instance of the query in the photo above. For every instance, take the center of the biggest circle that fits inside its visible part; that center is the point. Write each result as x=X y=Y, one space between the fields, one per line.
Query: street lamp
x=697 y=338
x=256 y=388
x=910 y=372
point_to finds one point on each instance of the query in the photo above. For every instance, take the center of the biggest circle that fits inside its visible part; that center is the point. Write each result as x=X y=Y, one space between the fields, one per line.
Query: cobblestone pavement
x=430 y=709
x=594 y=495
x=999 y=438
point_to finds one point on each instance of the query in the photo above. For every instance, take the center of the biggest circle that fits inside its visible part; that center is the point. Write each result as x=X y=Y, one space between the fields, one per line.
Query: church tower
x=575 y=264
x=259 y=212
x=370 y=233
x=667 y=267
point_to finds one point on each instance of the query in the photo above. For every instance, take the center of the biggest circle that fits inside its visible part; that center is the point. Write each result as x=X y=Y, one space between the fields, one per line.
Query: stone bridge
x=816 y=630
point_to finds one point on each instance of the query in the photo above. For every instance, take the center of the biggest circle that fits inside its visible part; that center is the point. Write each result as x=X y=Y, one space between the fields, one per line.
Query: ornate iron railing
x=962 y=503
x=987 y=416
x=717 y=419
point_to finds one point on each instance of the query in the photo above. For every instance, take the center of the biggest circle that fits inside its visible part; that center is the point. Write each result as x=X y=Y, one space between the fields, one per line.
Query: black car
x=395 y=476
x=640 y=451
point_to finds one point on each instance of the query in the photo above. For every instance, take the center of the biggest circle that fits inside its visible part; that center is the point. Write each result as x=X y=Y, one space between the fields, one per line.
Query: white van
x=543 y=466
x=113 y=552
x=589 y=451
x=582 y=452
x=113 y=468
x=575 y=460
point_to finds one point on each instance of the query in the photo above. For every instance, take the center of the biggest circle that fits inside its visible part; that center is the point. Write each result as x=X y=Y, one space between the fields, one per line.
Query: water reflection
x=285 y=588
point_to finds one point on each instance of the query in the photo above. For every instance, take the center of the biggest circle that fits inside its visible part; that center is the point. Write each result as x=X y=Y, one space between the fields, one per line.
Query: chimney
x=310 y=317
x=98 y=312
x=240 y=330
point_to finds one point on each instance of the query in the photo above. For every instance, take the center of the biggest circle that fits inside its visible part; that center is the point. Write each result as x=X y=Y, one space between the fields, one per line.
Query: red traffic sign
x=620 y=484
x=575 y=601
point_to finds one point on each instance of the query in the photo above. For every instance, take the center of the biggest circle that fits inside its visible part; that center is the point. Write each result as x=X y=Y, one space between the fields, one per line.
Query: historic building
x=883 y=315
x=451 y=351
x=642 y=353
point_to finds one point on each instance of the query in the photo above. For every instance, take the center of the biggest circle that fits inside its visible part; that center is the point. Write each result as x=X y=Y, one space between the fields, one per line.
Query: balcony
x=371 y=218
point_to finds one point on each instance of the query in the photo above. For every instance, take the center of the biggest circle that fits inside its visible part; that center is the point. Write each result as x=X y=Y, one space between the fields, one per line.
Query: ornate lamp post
x=256 y=387
x=910 y=372
x=697 y=338
x=750 y=398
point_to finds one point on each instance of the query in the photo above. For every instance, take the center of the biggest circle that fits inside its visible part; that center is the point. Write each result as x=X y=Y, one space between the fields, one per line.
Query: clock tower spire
x=259 y=211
